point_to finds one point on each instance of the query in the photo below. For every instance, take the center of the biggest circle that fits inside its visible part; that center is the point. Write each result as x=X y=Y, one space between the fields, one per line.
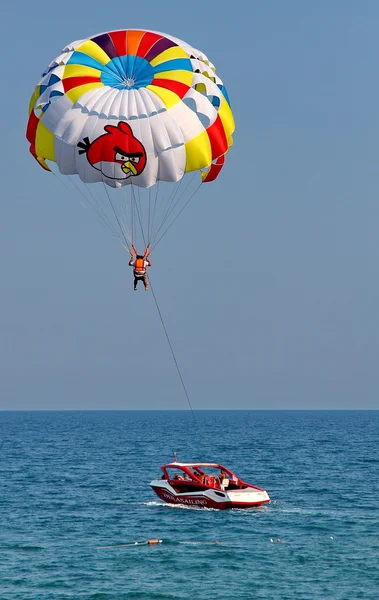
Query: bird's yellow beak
x=129 y=167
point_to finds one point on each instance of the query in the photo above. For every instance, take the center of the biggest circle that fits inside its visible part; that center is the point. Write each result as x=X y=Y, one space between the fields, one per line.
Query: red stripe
x=217 y=138
x=179 y=88
x=119 y=41
x=73 y=82
x=32 y=128
x=147 y=42
x=214 y=170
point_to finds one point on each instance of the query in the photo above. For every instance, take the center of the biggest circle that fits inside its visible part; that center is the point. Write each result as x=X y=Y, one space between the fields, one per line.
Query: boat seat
x=225 y=483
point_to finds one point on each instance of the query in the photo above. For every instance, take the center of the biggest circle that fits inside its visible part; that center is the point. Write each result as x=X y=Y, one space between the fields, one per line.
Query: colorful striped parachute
x=131 y=107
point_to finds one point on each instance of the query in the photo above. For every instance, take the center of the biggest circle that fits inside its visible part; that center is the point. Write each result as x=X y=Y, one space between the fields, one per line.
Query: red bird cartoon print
x=116 y=153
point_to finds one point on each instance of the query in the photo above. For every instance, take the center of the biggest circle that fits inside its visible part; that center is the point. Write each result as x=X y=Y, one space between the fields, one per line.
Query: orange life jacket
x=139 y=265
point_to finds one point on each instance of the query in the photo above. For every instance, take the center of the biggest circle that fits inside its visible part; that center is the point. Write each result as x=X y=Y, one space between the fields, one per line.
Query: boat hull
x=211 y=498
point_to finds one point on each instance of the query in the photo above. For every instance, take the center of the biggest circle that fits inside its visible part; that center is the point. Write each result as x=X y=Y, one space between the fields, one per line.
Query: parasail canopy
x=131 y=107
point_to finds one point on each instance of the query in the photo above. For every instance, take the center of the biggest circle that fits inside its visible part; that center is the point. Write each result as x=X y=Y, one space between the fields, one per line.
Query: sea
x=75 y=498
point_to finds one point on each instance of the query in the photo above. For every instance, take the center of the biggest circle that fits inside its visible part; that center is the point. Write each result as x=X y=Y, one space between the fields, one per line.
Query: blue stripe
x=215 y=101
x=48 y=70
x=224 y=92
x=119 y=65
x=176 y=64
x=79 y=58
x=54 y=79
x=51 y=95
x=56 y=93
x=131 y=64
x=112 y=68
x=127 y=72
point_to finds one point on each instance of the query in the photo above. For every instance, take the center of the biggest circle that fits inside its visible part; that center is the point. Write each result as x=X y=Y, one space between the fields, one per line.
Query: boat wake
x=179 y=506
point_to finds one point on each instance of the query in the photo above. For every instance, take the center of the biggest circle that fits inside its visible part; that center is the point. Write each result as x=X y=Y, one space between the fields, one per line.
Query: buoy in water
x=154 y=541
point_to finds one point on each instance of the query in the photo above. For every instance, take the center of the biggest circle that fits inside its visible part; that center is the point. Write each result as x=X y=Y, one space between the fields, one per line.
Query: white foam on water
x=181 y=506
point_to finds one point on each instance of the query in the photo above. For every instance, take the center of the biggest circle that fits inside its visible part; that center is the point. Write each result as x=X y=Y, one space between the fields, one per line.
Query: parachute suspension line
x=168 y=208
x=139 y=199
x=103 y=216
x=125 y=217
x=124 y=212
x=98 y=204
x=129 y=211
x=139 y=219
x=100 y=213
x=118 y=220
x=172 y=208
x=170 y=203
x=140 y=213
x=133 y=214
x=171 y=348
x=155 y=208
x=149 y=219
x=177 y=216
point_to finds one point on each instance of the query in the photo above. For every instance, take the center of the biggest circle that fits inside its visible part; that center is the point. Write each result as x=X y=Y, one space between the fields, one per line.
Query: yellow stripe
x=76 y=92
x=34 y=97
x=201 y=87
x=183 y=76
x=168 y=97
x=206 y=74
x=80 y=71
x=44 y=143
x=43 y=163
x=92 y=49
x=169 y=54
x=227 y=119
x=204 y=174
x=199 y=152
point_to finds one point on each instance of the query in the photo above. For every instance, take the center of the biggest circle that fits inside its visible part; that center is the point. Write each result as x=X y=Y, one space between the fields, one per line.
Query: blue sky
x=268 y=283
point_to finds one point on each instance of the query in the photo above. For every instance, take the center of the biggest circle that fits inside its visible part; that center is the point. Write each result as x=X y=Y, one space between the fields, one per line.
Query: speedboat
x=208 y=485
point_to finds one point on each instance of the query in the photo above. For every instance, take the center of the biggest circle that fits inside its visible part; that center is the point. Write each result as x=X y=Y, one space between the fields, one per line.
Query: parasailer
x=140 y=263
x=132 y=111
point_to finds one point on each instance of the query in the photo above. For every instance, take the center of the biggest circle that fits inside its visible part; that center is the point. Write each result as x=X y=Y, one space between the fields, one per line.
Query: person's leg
x=135 y=283
x=145 y=283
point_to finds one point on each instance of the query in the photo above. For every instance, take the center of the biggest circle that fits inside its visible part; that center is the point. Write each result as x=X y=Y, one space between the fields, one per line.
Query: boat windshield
x=200 y=472
x=177 y=473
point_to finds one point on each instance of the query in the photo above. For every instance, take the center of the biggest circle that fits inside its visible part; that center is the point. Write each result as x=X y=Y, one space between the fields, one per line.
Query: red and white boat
x=207 y=485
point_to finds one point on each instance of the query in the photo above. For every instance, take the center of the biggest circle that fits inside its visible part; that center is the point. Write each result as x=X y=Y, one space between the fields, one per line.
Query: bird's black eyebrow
x=129 y=154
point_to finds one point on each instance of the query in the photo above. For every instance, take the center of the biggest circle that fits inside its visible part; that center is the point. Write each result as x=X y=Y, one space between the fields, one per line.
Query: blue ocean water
x=74 y=490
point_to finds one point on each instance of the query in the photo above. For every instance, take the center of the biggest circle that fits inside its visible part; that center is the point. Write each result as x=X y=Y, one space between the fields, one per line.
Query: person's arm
x=148 y=262
x=131 y=262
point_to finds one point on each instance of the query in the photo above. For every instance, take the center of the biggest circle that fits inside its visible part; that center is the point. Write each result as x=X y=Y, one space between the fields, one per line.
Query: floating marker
x=147 y=543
